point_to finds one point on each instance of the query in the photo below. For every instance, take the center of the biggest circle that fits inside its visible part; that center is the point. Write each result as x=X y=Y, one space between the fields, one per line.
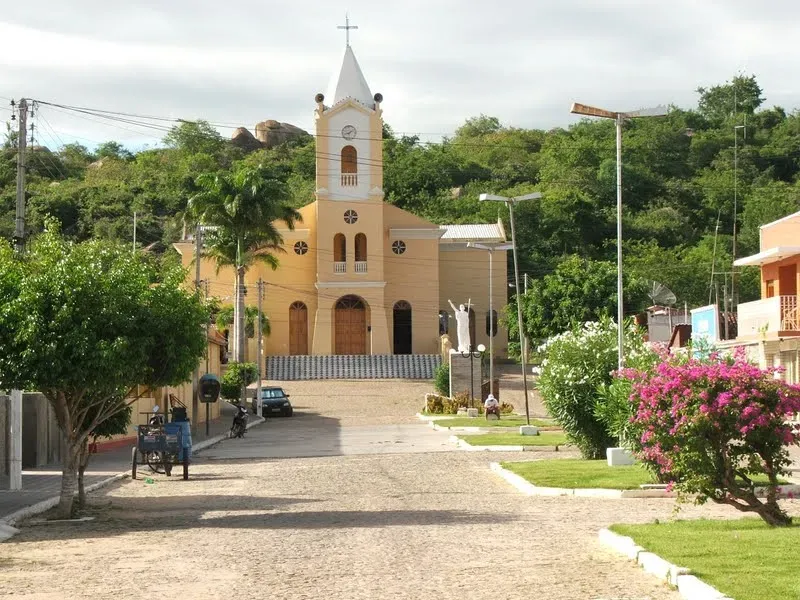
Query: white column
x=15 y=440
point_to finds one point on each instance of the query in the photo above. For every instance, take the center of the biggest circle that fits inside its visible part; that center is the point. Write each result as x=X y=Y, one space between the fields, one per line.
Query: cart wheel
x=133 y=463
x=185 y=464
x=155 y=461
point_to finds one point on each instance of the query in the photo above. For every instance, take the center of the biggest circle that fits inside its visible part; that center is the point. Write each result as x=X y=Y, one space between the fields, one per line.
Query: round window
x=398 y=247
x=300 y=248
x=350 y=217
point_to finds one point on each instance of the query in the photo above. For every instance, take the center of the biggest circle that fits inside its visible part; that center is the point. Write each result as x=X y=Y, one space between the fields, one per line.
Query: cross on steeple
x=347 y=27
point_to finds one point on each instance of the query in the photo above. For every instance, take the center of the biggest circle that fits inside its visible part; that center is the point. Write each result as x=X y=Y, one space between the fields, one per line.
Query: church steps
x=377 y=366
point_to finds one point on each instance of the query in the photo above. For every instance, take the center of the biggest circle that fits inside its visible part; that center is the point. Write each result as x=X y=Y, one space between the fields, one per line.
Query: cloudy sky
x=436 y=62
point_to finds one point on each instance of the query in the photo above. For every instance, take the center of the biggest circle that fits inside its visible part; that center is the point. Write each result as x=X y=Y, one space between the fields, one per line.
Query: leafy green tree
x=741 y=95
x=578 y=291
x=85 y=323
x=113 y=150
x=244 y=206
x=195 y=137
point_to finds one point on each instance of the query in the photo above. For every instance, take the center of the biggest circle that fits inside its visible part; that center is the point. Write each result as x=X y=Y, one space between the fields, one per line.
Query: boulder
x=242 y=138
x=272 y=133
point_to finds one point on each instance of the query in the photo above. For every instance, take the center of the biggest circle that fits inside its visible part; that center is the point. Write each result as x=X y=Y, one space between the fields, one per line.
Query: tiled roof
x=377 y=366
x=483 y=232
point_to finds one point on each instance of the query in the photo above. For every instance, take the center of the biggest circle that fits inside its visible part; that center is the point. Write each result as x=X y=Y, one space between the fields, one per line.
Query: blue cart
x=161 y=446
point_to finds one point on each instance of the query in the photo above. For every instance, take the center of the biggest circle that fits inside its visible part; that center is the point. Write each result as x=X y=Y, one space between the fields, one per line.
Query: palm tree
x=225 y=318
x=242 y=206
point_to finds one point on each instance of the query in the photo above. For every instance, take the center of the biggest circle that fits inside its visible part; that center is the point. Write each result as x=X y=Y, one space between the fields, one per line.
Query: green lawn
x=546 y=438
x=505 y=421
x=577 y=473
x=743 y=558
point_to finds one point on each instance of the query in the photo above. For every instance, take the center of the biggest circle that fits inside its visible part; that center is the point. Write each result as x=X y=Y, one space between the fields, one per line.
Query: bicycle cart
x=161 y=446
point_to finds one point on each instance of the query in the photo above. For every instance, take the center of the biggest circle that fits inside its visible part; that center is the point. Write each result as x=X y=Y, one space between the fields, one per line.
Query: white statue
x=462 y=322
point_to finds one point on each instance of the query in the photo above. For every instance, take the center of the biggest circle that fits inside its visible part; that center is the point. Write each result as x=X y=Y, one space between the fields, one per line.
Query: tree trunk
x=83 y=462
x=69 y=477
x=773 y=515
x=240 y=317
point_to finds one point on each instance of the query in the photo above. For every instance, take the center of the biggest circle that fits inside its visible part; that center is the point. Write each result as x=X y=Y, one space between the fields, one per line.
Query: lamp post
x=472 y=354
x=491 y=247
x=510 y=203
x=619 y=118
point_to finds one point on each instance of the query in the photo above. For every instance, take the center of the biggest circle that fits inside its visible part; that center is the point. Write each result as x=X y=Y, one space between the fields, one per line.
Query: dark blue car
x=274 y=403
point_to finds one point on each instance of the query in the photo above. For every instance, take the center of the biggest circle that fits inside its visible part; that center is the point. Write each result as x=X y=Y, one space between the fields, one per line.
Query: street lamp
x=619 y=118
x=472 y=354
x=491 y=247
x=510 y=203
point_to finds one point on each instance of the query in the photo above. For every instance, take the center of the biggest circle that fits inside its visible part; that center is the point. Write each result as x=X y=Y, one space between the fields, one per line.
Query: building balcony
x=778 y=315
x=349 y=179
x=340 y=267
x=361 y=266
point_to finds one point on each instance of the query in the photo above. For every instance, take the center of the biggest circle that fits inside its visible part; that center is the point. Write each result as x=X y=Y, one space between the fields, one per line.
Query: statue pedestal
x=460 y=375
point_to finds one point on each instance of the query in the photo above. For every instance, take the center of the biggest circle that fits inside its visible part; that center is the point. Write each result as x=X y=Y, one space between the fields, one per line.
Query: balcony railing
x=349 y=179
x=770 y=315
x=340 y=267
x=361 y=266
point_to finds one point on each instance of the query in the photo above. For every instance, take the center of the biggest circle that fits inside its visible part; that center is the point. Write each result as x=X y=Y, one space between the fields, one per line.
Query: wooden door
x=298 y=329
x=350 y=326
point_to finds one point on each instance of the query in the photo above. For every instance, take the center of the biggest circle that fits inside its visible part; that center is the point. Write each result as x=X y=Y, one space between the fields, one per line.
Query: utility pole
x=134 y=232
x=525 y=279
x=196 y=375
x=15 y=403
x=258 y=347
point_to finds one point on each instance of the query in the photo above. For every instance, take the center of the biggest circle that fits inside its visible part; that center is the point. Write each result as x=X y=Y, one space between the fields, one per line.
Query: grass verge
x=743 y=558
x=505 y=421
x=546 y=438
x=577 y=473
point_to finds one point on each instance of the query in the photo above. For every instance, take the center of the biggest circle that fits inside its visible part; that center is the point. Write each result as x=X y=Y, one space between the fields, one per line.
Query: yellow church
x=358 y=275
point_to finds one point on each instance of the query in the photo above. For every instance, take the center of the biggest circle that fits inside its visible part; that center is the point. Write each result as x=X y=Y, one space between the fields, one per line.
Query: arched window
x=361 y=247
x=339 y=253
x=444 y=322
x=491 y=323
x=349 y=166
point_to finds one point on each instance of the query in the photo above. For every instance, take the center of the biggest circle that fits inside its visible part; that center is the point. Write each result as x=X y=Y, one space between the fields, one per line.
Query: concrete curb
x=461 y=444
x=689 y=586
x=534 y=490
x=466 y=429
x=6 y=523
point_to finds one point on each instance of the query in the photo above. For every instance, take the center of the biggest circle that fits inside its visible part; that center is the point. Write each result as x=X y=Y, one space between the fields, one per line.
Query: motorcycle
x=239 y=426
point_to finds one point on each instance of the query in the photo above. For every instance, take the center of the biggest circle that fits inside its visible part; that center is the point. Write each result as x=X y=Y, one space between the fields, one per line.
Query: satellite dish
x=660 y=294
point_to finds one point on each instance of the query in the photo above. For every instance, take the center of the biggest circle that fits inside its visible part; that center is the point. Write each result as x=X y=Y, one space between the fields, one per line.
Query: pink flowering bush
x=711 y=426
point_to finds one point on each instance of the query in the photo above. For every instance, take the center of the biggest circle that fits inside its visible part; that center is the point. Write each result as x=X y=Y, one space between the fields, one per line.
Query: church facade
x=359 y=275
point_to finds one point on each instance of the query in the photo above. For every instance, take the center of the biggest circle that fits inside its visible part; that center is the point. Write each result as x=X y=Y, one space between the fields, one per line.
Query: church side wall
x=464 y=275
x=414 y=277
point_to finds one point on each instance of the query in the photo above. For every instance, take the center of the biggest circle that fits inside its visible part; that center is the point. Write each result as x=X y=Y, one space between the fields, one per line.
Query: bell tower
x=350 y=233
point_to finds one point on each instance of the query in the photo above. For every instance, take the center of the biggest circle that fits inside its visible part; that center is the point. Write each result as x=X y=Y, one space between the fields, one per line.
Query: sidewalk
x=45 y=482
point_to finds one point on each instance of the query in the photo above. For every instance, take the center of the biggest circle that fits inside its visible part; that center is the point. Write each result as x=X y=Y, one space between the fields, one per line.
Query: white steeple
x=350 y=82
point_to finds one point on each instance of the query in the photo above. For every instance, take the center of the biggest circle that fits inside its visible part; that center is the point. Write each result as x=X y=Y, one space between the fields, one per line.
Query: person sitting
x=492 y=406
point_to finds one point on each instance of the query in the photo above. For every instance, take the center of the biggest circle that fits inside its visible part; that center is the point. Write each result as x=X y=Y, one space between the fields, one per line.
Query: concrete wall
x=784 y=232
x=41 y=436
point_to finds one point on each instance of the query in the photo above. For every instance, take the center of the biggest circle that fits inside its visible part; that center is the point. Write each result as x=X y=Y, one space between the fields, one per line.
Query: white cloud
x=436 y=63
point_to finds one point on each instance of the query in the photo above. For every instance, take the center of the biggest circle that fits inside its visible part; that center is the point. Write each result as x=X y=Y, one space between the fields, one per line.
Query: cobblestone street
x=353 y=522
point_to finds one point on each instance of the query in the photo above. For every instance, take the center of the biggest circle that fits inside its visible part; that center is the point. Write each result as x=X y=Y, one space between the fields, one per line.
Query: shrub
x=578 y=364
x=236 y=376
x=434 y=403
x=506 y=408
x=614 y=407
x=711 y=426
x=441 y=379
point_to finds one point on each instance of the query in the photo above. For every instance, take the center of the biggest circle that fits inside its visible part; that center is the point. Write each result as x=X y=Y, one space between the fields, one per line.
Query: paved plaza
x=350 y=499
